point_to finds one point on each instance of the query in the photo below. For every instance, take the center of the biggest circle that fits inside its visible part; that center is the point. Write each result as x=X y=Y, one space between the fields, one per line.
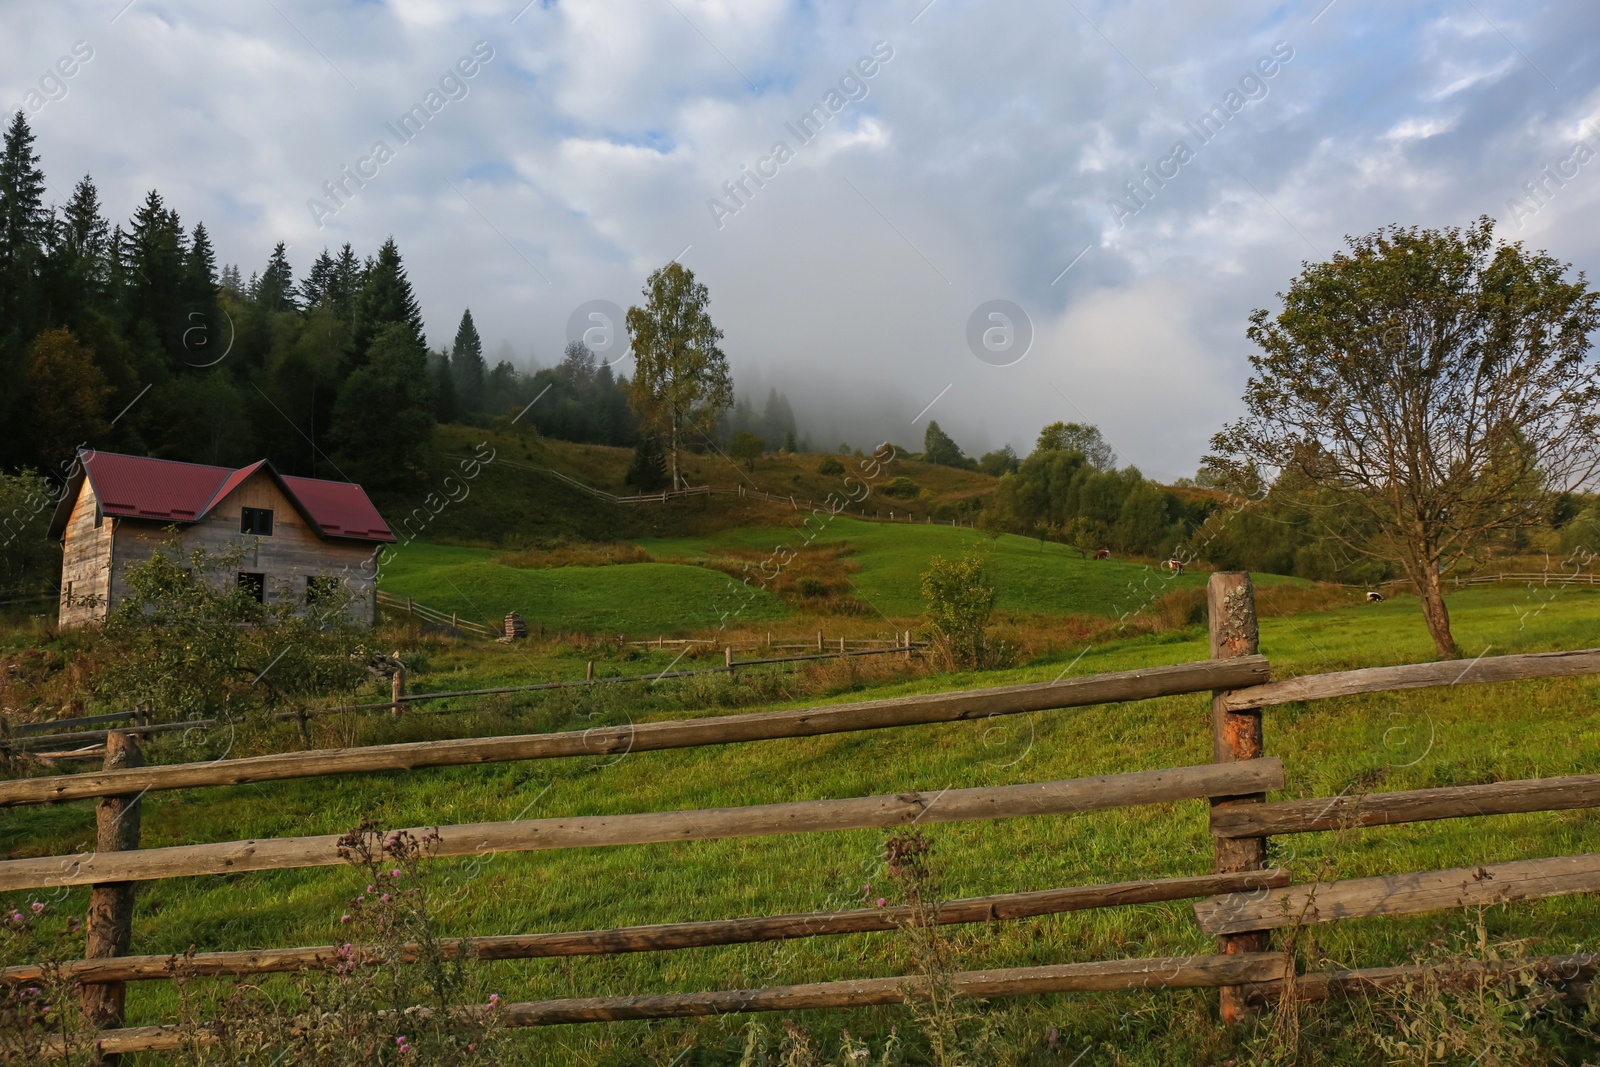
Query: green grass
x=636 y=598
x=1401 y=740
x=651 y=598
x=1030 y=576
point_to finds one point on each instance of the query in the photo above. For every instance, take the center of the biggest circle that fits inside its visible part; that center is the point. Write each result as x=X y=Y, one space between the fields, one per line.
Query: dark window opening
x=254 y=583
x=321 y=588
x=256 y=521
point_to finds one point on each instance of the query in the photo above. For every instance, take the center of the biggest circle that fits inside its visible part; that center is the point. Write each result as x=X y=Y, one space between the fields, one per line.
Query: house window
x=254 y=583
x=321 y=588
x=256 y=521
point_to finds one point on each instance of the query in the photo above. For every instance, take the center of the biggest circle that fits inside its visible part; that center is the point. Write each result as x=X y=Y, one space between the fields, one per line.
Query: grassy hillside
x=635 y=598
x=512 y=504
x=886 y=561
x=1386 y=741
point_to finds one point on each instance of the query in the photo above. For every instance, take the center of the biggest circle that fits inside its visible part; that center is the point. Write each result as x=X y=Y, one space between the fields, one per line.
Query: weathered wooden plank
x=1577 y=967
x=682 y=733
x=670 y=936
x=1412 y=805
x=707 y=824
x=1418 y=676
x=1401 y=894
x=1176 y=972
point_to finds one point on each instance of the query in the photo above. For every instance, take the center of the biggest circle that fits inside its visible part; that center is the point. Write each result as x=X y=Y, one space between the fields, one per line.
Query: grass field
x=1389 y=741
x=652 y=598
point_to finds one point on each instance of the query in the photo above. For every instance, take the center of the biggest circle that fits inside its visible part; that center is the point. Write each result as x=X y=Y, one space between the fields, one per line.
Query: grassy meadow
x=1383 y=741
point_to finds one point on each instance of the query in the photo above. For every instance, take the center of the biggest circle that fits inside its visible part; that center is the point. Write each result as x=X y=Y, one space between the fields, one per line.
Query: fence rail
x=1239 y=905
x=706 y=824
x=668 y=936
x=679 y=733
x=433 y=615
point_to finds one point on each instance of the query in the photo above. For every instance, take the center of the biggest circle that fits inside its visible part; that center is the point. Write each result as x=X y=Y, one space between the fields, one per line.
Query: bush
x=901 y=487
x=829 y=465
x=959 y=601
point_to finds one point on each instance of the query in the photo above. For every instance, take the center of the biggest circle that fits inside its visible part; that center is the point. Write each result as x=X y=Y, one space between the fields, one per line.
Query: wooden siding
x=86 y=561
x=287 y=558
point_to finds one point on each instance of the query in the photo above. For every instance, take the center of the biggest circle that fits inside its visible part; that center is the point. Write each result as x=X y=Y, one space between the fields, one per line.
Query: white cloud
x=978 y=166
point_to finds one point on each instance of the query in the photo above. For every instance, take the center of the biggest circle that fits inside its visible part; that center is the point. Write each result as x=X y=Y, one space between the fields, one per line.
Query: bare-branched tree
x=1420 y=391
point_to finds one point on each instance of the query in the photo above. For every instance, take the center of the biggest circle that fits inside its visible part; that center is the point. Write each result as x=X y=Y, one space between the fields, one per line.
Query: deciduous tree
x=681 y=382
x=1432 y=385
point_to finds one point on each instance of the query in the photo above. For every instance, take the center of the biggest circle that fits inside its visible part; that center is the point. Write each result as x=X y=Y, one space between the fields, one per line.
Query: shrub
x=901 y=487
x=959 y=601
x=829 y=465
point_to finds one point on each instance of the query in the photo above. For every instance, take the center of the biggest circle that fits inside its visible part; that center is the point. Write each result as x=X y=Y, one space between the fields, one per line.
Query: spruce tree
x=344 y=285
x=386 y=299
x=314 y=289
x=466 y=360
x=276 y=292
x=24 y=226
x=383 y=420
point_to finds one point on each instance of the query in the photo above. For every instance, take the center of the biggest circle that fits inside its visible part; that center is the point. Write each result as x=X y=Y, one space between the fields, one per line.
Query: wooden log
x=1320 y=985
x=706 y=824
x=1236 y=737
x=1401 y=894
x=1178 y=972
x=670 y=936
x=682 y=733
x=109 y=926
x=1413 y=805
x=1418 y=676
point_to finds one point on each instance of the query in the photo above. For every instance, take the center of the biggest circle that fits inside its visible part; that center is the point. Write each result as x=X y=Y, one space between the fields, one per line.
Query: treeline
x=1070 y=490
x=130 y=337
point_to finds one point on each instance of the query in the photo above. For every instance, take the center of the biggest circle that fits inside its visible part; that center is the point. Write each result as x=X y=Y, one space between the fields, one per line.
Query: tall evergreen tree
x=466 y=361
x=383 y=419
x=153 y=269
x=24 y=223
x=344 y=285
x=77 y=269
x=275 y=292
x=445 y=408
x=386 y=299
x=314 y=289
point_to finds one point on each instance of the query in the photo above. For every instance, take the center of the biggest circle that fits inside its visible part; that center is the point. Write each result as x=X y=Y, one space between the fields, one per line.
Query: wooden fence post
x=819 y=640
x=398 y=687
x=727 y=658
x=1231 y=605
x=588 y=673
x=110 y=920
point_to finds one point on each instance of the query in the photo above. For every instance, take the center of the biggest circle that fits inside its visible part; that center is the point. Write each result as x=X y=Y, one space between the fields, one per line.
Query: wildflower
x=880 y=902
x=386 y=897
x=38 y=906
x=16 y=916
x=372 y=889
x=494 y=1000
x=344 y=918
x=395 y=873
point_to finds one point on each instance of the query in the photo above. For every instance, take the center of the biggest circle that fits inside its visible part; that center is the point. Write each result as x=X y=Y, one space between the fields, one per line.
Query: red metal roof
x=342 y=509
x=138 y=487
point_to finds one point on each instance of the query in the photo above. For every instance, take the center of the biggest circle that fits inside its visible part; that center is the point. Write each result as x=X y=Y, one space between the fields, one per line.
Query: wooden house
x=301 y=537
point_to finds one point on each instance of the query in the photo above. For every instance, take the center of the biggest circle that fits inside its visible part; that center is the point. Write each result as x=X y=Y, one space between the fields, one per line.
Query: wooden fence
x=1240 y=902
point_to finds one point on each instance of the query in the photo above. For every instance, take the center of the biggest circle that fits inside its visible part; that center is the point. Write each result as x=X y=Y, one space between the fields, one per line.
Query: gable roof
x=164 y=490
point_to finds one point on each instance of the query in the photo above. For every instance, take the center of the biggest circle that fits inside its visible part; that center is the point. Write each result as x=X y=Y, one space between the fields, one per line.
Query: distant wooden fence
x=1533 y=577
x=1240 y=902
x=421 y=611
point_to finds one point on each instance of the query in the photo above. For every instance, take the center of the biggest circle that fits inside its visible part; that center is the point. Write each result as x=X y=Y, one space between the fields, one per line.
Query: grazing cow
x=1104 y=553
x=1174 y=567
x=1374 y=597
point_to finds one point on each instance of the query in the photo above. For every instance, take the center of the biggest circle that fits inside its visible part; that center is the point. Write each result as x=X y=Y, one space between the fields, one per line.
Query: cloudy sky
x=958 y=153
